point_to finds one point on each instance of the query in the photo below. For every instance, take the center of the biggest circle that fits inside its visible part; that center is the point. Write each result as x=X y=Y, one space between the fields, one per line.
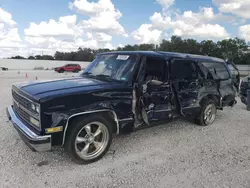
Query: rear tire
x=207 y=113
x=88 y=139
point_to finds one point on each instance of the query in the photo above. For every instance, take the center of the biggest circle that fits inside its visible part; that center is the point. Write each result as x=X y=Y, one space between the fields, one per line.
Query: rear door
x=155 y=90
x=184 y=77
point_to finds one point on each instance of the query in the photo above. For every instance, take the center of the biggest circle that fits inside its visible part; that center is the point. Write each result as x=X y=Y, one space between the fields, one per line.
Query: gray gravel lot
x=178 y=154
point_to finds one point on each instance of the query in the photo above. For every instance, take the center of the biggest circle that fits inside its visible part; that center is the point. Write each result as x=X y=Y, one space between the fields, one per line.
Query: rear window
x=217 y=70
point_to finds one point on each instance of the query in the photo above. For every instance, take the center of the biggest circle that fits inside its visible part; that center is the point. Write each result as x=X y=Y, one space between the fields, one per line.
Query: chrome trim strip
x=221 y=101
x=126 y=119
x=90 y=112
x=29 y=134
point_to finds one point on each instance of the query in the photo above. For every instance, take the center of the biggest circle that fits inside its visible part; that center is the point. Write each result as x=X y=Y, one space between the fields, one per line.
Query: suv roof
x=169 y=55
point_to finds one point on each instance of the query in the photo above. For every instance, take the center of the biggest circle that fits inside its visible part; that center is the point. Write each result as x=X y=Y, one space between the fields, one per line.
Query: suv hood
x=49 y=88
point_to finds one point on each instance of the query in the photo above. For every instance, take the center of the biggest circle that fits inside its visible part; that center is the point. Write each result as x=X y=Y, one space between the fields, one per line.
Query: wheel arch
x=214 y=97
x=108 y=113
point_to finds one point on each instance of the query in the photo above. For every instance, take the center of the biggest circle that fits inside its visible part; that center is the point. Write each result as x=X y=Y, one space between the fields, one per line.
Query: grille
x=21 y=113
x=22 y=107
x=21 y=100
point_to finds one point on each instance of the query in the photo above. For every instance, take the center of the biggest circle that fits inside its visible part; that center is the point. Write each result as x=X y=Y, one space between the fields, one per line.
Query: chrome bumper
x=36 y=142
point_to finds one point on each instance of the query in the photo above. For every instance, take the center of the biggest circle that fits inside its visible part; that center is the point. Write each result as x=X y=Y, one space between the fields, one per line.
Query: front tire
x=207 y=113
x=61 y=71
x=88 y=139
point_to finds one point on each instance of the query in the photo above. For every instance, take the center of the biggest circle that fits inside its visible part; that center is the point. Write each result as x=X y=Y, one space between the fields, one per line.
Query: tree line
x=233 y=49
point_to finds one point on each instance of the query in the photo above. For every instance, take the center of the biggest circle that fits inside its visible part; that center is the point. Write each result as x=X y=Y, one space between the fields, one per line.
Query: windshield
x=115 y=66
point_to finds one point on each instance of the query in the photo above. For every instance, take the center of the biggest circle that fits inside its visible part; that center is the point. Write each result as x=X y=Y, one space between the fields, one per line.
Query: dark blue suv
x=120 y=92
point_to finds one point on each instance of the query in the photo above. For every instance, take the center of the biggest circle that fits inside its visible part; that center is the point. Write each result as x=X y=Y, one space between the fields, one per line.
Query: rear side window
x=217 y=70
x=183 y=69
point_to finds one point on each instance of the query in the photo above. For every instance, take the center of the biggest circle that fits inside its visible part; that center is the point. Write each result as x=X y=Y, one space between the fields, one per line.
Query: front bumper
x=36 y=142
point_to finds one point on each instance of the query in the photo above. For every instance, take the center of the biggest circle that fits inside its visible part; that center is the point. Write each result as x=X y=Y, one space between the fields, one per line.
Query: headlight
x=35 y=108
x=38 y=109
x=34 y=122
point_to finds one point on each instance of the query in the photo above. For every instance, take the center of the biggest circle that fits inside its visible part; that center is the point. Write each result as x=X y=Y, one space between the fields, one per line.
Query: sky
x=32 y=27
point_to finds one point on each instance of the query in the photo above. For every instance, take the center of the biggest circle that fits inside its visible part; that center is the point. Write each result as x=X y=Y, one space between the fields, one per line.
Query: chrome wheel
x=92 y=140
x=209 y=114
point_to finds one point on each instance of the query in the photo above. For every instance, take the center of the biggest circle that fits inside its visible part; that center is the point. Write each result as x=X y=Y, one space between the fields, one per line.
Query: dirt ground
x=178 y=154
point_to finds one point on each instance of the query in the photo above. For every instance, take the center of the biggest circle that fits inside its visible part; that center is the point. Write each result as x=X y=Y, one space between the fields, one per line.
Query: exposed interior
x=181 y=90
x=153 y=71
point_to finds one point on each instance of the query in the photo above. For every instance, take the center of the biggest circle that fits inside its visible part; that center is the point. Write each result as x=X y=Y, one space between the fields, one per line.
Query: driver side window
x=155 y=69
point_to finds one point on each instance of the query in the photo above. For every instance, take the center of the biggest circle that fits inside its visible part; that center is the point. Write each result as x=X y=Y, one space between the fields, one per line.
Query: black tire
x=61 y=71
x=76 y=71
x=200 y=120
x=76 y=126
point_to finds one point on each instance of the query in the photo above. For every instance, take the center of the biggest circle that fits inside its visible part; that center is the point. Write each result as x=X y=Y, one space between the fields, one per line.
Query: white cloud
x=103 y=16
x=53 y=35
x=101 y=37
x=6 y=18
x=203 y=31
x=91 y=9
x=236 y=7
x=145 y=34
x=165 y=3
x=105 y=23
x=244 y=32
x=201 y=25
x=120 y=45
x=65 y=28
x=109 y=46
x=10 y=40
x=63 y=35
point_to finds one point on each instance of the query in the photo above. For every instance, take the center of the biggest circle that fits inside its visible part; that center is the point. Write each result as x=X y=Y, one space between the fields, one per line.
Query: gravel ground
x=178 y=154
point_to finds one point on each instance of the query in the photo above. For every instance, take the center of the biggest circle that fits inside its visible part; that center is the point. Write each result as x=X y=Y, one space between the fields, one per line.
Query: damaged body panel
x=244 y=86
x=122 y=91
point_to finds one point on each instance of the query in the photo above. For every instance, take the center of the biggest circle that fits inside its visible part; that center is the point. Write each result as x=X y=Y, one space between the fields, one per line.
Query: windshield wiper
x=108 y=77
x=103 y=75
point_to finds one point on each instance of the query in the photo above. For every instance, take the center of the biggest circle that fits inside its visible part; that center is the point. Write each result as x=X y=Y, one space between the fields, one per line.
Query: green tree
x=31 y=57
